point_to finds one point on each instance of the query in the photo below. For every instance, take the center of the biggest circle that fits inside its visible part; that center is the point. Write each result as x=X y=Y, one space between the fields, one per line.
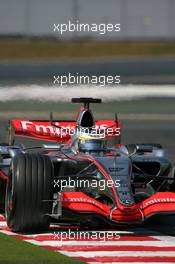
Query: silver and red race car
x=81 y=174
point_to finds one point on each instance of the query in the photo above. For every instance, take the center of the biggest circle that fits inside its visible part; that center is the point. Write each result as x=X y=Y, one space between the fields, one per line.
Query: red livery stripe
x=129 y=259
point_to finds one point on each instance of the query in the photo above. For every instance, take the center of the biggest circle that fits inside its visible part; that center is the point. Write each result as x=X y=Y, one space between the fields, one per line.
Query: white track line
x=160 y=242
x=65 y=93
x=101 y=243
x=3 y=224
x=6 y=232
x=93 y=254
x=165 y=238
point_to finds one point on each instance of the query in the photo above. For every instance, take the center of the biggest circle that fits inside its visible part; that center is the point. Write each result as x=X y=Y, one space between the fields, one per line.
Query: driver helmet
x=91 y=143
x=88 y=141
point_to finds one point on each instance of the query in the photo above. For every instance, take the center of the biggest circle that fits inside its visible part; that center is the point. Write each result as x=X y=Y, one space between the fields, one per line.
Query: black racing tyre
x=28 y=193
x=2 y=195
x=172 y=185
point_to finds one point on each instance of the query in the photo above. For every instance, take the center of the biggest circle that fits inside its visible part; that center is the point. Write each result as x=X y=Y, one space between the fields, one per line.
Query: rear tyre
x=28 y=193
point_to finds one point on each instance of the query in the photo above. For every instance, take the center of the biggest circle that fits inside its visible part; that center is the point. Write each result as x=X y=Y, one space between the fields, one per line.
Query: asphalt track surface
x=152 y=70
x=151 y=243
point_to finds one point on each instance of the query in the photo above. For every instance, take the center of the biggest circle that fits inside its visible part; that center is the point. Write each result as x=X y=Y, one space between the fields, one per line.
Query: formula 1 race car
x=84 y=175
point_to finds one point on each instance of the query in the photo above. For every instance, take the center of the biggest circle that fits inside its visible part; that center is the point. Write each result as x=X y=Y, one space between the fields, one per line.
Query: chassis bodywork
x=121 y=185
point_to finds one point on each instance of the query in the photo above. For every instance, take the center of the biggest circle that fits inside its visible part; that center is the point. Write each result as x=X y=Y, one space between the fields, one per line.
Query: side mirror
x=52 y=146
x=143 y=148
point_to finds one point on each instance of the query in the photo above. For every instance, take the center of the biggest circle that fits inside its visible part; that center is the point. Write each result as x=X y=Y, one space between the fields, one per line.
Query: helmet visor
x=91 y=145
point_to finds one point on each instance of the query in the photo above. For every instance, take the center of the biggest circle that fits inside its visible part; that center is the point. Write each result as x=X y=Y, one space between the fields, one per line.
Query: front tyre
x=29 y=193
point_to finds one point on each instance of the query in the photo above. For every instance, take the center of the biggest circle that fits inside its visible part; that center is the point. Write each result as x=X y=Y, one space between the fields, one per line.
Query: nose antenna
x=86 y=101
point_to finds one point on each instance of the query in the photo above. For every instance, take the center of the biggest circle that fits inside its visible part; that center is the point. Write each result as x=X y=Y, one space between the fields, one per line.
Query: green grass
x=15 y=251
x=52 y=49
